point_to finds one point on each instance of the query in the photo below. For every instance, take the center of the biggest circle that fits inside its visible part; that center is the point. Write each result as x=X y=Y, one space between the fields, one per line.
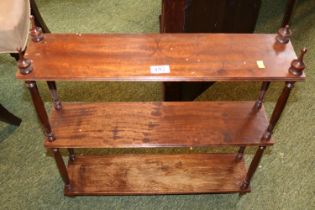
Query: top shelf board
x=129 y=57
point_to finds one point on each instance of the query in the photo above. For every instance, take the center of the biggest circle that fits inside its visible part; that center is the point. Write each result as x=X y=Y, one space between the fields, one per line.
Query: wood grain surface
x=168 y=124
x=128 y=57
x=155 y=174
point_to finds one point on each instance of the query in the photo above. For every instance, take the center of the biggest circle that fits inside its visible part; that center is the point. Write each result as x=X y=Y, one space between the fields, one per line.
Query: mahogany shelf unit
x=129 y=57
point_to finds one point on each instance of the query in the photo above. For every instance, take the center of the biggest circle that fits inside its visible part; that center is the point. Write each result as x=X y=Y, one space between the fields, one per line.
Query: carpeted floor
x=286 y=176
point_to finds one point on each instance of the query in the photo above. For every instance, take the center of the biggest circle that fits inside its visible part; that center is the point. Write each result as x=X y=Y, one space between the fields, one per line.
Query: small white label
x=165 y=69
x=261 y=64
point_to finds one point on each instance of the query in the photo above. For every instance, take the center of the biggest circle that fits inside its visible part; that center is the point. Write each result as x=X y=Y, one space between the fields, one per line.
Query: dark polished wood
x=61 y=167
x=173 y=16
x=40 y=110
x=39 y=21
x=172 y=91
x=71 y=154
x=184 y=91
x=8 y=117
x=191 y=90
x=240 y=153
x=222 y=16
x=128 y=57
x=54 y=95
x=253 y=166
x=262 y=93
x=282 y=101
x=155 y=174
x=204 y=16
x=288 y=12
x=167 y=124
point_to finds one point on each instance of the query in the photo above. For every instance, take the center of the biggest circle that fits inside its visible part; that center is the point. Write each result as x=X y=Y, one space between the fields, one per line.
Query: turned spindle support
x=71 y=154
x=262 y=93
x=40 y=109
x=24 y=64
x=297 y=65
x=36 y=32
x=288 y=12
x=284 y=35
x=62 y=168
x=282 y=101
x=252 y=168
x=297 y=68
x=54 y=95
x=58 y=106
x=240 y=153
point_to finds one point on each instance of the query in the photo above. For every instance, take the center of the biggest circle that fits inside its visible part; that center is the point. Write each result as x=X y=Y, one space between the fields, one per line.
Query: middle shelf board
x=157 y=124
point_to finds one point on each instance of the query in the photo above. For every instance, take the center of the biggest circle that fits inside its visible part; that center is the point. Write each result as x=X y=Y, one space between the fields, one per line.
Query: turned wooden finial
x=284 y=35
x=36 y=32
x=24 y=64
x=297 y=65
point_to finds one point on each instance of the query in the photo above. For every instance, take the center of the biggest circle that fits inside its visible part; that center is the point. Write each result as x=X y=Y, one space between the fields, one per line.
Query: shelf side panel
x=159 y=124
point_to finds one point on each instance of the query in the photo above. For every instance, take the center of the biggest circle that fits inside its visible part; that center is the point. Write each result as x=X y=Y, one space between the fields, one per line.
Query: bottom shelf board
x=155 y=174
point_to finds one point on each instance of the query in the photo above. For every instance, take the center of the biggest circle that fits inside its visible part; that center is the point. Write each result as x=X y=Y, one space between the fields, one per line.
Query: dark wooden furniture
x=199 y=16
x=129 y=57
x=8 y=117
x=204 y=16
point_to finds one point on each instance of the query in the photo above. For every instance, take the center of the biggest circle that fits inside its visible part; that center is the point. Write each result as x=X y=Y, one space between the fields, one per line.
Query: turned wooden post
x=40 y=109
x=58 y=106
x=297 y=67
x=71 y=154
x=240 y=153
x=61 y=167
x=278 y=109
x=264 y=87
x=54 y=95
x=36 y=32
x=24 y=64
x=253 y=166
x=288 y=12
x=262 y=93
x=284 y=35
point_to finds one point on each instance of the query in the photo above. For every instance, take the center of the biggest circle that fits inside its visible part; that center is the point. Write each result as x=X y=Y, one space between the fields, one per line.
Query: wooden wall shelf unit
x=129 y=57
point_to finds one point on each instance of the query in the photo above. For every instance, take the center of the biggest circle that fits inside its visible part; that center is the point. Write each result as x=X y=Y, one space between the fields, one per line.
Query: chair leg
x=8 y=117
x=38 y=17
x=15 y=56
